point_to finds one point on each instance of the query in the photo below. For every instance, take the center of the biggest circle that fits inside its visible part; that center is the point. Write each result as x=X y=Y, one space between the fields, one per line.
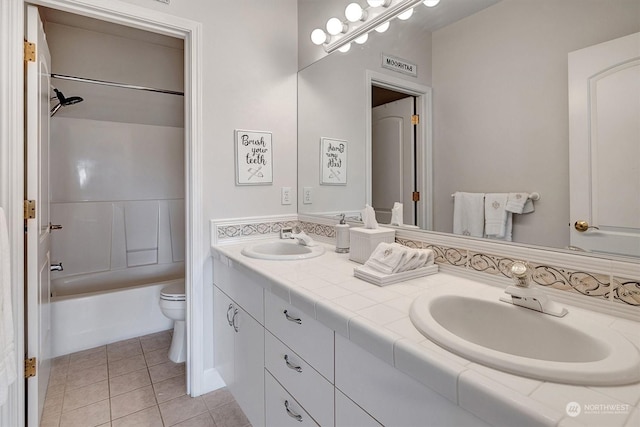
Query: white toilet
x=173 y=305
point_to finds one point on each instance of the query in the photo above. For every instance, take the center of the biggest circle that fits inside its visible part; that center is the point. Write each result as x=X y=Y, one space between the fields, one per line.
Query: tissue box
x=364 y=240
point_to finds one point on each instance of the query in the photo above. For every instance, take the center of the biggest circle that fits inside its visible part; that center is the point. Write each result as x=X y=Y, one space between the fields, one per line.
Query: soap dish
x=382 y=279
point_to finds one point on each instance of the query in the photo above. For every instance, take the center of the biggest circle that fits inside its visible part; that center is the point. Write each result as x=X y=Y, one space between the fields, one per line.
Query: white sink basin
x=282 y=250
x=572 y=349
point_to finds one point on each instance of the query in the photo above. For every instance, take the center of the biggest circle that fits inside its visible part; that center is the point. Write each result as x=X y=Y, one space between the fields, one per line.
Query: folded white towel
x=468 y=214
x=387 y=257
x=516 y=203
x=495 y=215
x=421 y=258
x=7 y=345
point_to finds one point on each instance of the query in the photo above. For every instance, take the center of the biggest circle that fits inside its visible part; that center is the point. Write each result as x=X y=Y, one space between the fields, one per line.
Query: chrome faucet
x=522 y=294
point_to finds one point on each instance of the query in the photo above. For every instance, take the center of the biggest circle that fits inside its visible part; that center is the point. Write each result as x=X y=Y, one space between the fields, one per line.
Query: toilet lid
x=173 y=292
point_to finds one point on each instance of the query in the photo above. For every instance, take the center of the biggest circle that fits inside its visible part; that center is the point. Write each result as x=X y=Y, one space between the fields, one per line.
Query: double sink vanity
x=299 y=340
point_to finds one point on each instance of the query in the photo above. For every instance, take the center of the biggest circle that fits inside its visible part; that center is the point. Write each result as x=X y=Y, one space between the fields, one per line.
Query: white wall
x=249 y=82
x=501 y=104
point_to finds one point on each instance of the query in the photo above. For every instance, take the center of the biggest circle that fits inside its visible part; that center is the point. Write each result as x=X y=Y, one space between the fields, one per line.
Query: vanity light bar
x=384 y=16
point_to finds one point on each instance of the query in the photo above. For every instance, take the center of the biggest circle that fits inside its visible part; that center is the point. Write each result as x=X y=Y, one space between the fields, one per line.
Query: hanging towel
x=495 y=215
x=7 y=345
x=519 y=203
x=387 y=257
x=468 y=214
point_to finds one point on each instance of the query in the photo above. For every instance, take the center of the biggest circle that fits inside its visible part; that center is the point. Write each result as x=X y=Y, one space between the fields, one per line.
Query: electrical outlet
x=286 y=195
x=306 y=196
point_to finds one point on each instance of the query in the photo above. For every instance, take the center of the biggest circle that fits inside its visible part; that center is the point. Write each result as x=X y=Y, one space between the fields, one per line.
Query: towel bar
x=532 y=196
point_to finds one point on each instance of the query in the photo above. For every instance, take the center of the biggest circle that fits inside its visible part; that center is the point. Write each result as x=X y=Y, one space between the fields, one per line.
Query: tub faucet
x=522 y=294
x=57 y=267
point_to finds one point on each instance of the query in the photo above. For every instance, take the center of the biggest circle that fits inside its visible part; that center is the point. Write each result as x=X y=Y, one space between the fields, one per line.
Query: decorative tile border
x=588 y=284
x=627 y=291
x=593 y=278
x=235 y=230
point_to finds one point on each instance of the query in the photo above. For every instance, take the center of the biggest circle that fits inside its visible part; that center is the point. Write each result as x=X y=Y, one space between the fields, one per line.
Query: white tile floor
x=131 y=383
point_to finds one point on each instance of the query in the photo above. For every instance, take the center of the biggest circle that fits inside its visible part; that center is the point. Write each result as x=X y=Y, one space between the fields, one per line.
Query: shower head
x=63 y=101
x=67 y=101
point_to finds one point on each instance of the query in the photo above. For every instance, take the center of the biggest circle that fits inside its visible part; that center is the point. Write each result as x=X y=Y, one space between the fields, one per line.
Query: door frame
x=12 y=162
x=424 y=139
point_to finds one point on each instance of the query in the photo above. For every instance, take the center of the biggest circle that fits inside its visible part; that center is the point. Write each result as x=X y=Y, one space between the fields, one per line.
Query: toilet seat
x=173 y=292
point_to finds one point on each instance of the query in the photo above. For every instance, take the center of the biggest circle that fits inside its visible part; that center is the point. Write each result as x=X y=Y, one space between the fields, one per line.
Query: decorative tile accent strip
x=318 y=229
x=249 y=229
x=589 y=284
x=452 y=256
x=491 y=264
x=409 y=243
x=627 y=291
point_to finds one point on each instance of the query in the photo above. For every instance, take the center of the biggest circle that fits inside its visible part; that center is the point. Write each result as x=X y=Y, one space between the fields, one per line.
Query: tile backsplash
x=602 y=281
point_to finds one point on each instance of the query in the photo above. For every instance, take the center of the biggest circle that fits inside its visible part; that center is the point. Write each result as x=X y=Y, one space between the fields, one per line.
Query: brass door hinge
x=29 y=51
x=415 y=119
x=30 y=367
x=416 y=196
x=29 y=209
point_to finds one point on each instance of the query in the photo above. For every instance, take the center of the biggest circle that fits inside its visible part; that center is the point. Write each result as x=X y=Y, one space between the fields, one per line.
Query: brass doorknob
x=583 y=226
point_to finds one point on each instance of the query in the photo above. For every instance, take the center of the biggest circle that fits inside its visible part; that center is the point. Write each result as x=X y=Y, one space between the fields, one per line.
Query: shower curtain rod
x=114 y=84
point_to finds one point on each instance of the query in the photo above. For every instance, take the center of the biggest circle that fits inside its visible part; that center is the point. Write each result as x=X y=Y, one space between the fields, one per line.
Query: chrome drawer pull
x=292 y=414
x=233 y=320
x=228 y=317
x=292 y=319
x=291 y=366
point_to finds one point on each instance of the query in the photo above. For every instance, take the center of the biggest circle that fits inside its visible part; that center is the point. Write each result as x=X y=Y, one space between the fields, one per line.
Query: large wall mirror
x=495 y=115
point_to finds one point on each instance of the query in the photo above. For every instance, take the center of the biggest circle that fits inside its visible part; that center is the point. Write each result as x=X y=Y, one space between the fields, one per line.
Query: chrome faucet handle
x=520 y=273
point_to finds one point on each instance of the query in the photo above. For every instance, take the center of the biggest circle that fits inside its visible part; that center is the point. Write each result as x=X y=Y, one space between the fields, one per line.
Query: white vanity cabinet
x=239 y=340
x=348 y=414
x=390 y=396
x=285 y=368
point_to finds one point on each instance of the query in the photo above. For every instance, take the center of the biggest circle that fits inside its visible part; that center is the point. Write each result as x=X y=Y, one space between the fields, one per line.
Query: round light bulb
x=354 y=12
x=335 y=26
x=405 y=15
x=382 y=27
x=318 y=37
x=378 y=3
x=362 y=39
x=431 y=3
x=345 y=48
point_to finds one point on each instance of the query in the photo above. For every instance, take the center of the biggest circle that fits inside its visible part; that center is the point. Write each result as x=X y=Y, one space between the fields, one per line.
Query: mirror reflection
x=499 y=114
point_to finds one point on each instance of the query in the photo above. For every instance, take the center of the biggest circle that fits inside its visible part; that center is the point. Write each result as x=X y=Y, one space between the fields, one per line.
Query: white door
x=37 y=229
x=604 y=133
x=392 y=159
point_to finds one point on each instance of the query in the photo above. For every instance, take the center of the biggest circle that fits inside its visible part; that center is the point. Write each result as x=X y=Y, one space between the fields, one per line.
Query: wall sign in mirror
x=333 y=161
x=253 y=157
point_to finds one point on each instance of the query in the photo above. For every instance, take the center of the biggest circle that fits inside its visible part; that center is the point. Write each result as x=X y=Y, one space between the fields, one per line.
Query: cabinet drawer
x=241 y=288
x=281 y=409
x=310 y=388
x=306 y=336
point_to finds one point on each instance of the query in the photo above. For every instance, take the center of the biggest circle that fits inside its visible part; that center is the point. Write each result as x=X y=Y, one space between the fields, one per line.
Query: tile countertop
x=377 y=319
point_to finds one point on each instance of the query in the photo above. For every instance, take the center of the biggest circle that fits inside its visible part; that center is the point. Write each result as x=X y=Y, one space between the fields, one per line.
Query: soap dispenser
x=342 y=236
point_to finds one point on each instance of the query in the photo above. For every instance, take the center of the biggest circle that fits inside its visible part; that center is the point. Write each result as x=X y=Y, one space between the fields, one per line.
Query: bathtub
x=84 y=320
